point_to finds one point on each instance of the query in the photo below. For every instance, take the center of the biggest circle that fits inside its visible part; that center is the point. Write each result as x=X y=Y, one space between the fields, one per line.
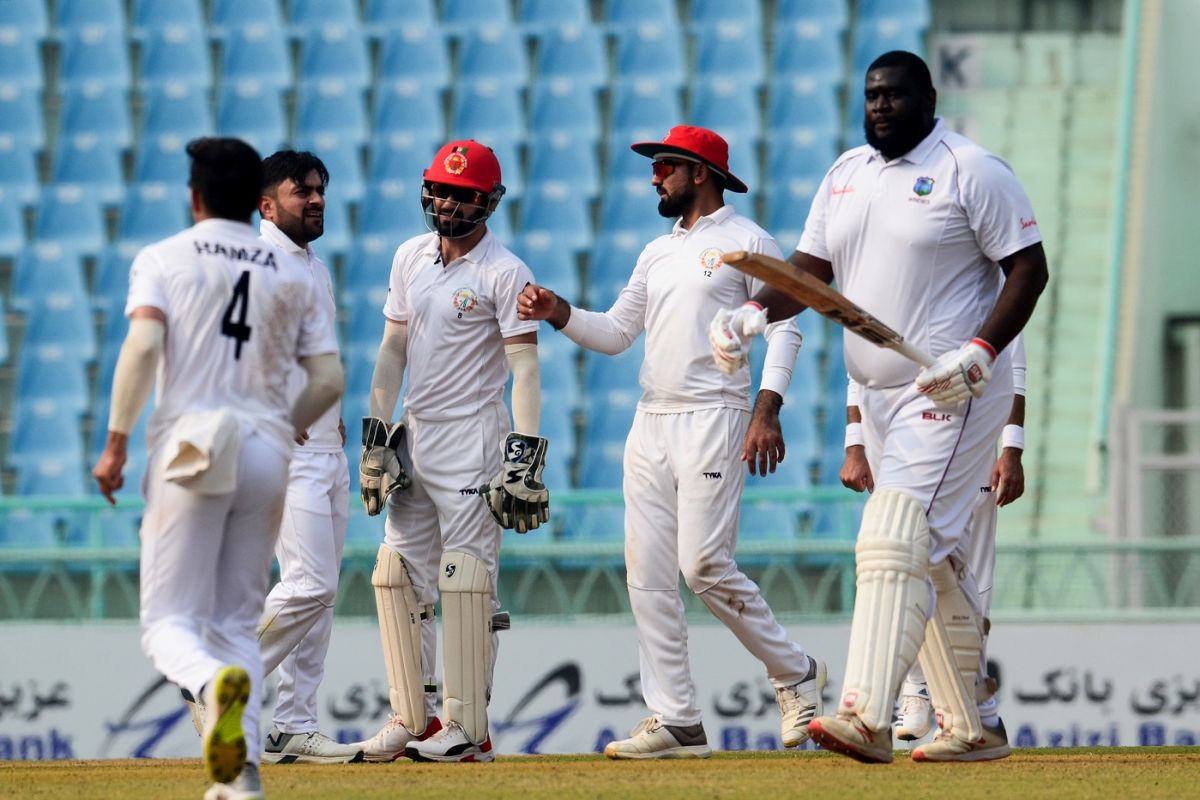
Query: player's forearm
x=1016 y=416
x=597 y=331
x=325 y=384
x=783 y=343
x=134 y=375
x=1027 y=275
x=389 y=371
x=527 y=387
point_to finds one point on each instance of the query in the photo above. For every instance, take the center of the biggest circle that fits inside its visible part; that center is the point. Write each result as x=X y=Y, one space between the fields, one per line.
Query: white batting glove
x=517 y=497
x=729 y=334
x=958 y=374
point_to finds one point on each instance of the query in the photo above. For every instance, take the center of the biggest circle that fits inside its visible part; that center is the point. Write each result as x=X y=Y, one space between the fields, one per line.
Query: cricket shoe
x=652 y=739
x=246 y=786
x=393 y=737
x=800 y=703
x=196 y=709
x=947 y=747
x=225 y=696
x=450 y=744
x=308 y=748
x=850 y=737
x=915 y=717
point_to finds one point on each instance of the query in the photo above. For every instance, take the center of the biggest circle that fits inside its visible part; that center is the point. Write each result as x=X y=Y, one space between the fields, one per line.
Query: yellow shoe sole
x=224 y=739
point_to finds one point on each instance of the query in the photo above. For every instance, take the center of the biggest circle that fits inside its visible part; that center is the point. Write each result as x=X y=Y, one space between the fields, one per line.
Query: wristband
x=986 y=346
x=1013 y=436
x=854 y=435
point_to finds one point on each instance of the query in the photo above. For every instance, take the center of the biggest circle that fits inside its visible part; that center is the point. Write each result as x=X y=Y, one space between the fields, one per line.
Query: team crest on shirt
x=456 y=162
x=464 y=300
x=710 y=261
x=923 y=186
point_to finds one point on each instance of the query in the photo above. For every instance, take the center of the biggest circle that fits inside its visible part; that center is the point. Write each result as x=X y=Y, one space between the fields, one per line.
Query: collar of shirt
x=270 y=231
x=715 y=218
x=433 y=249
x=921 y=152
x=225 y=225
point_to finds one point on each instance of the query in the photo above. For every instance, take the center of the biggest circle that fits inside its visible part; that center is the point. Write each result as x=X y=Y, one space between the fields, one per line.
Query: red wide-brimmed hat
x=698 y=144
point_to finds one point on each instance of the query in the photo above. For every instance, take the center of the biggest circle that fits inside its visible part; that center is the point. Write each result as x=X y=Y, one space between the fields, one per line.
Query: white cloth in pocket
x=202 y=452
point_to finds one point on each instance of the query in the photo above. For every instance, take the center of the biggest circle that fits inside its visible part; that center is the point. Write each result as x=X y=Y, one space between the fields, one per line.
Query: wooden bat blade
x=827 y=302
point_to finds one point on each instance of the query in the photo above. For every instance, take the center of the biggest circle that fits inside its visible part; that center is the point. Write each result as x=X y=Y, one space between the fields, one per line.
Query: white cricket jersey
x=323 y=436
x=458 y=316
x=677 y=286
x=915 y=241
x=240 y=312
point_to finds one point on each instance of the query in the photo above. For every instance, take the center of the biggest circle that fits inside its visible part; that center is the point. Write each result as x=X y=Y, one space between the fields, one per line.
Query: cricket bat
x=814 y=293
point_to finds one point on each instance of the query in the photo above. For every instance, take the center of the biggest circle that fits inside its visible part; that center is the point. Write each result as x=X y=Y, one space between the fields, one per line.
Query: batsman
x=456 y=468
x=916 y=226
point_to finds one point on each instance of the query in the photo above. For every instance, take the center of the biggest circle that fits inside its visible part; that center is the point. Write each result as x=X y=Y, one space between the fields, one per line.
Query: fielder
x=218 y=320
x=916 y=227
x=683 y=459
x=298 y=618
x=451 y=320
x=915 y=715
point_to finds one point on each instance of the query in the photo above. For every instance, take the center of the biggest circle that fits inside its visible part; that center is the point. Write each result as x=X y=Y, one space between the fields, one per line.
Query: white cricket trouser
x=298 y=618
x=205 y=571
x=442 y=511
x=683 y=485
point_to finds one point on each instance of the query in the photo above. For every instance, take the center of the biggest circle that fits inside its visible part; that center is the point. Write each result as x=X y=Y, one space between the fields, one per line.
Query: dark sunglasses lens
x=662 y=169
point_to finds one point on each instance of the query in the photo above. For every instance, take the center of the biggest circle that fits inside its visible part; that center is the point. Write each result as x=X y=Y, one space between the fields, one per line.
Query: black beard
x=897 y=143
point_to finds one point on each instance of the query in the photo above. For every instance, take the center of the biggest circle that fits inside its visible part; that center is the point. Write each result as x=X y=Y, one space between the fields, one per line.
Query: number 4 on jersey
x=240 y=304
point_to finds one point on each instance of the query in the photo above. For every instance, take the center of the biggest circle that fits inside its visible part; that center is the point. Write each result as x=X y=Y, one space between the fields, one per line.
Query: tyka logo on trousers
x=712 y=476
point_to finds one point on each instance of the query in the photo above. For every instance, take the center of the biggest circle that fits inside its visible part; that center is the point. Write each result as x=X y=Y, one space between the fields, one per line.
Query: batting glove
x=517 y=497
x=729 y=333
x=958 y=374
x=379 y=471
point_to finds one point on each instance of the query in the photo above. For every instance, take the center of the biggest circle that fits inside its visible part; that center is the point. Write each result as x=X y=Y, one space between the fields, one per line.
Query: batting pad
x=466 y=591
x=950 y=657
x=400 y=629
x=892 y=558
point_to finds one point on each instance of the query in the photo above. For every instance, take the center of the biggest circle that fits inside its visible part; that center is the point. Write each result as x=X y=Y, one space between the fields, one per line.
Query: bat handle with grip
x=914 y=354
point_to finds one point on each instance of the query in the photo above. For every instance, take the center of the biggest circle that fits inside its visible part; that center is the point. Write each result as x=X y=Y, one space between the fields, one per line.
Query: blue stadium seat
x=415 y=56
x=643 y=112
x=632 y=205
x=334 y=109
x=730 y=52
x=70 y=216
x=493 y=53
x=564 y=107
x=56 y=319
x=177 y=109
x=489 y=112
x=382 y=17
x=799 y=109
x=343 y=159
x=229 y=16
x=391 y=210
x=253 y=113
x=175 y=55
x=100 y=111
x=44 y=268
x=811 y=51
x=53 y=372
x=830 y=14
x=256 y=55
x=600 y=467
x=12 y=228
x=152 y=17
x=335 y=241
x=111 y=285
x=788 y=204
x=732 y=111
x=804 y=161
x=564 y=164
x=20 y=60
x=622 y=164
x=551 y=266
x=623 y=15
x=540 y=17
x=43 y=428
x=901 y=13
x=161 y=159
x=653 y=53
x=508 y=153
x=309 y=16
x=401 y=156
x=712 y=13
x=411 y=109
x=575 y=53
x=25 y=19
x=335 y=54
x=21 y=120
x=364 y=314
x=557 y=356
x=61 y=476
x=18 y=172
x=461 y=16
x=74 y=15
x=93 y=163
x=366 y=270
x=611 y=263
x=95 y=57
x=558 y=215
x=768 y=521
x=153 y=211
x=873 y=38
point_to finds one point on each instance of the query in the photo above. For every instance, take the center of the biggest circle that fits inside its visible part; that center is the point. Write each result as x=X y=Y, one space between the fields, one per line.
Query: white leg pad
x=400 y=629
x=950 y=657
x=892 y=562
x=466 y=589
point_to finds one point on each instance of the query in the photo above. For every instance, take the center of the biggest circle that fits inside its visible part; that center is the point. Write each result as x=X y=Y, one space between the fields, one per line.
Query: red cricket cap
x=697 y=144
x=465 y=163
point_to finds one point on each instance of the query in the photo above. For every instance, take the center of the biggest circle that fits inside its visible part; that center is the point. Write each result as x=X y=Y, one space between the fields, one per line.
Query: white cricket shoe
x=393 y=737
x=196 y=709
x=915 y=717
x=947 y=747
x=450 y=744
x=246 y=786
x=225 y=696
x=800 y=703
x=308 y=748
x=652 y=739
x=850 y=737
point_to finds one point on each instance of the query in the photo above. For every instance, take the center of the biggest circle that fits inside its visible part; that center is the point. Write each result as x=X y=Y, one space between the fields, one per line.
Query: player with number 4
x=451 y=322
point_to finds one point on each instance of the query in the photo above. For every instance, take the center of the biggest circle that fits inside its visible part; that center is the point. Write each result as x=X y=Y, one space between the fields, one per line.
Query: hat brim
x=654 y=149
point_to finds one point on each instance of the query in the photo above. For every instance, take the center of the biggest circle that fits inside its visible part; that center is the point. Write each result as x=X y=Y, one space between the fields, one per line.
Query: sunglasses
x=664 y=168
x=459 y=194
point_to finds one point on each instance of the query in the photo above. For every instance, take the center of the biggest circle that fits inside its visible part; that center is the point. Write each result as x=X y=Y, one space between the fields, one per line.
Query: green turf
x=1053 y=773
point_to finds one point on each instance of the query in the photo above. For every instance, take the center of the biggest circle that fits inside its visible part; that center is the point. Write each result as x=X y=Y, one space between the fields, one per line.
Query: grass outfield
x=1051 y=773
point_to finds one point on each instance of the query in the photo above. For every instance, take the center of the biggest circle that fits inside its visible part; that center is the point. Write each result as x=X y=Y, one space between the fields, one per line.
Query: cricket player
x=916 y=227
x=298 y=617
x=692 y=431
x=915 y=715
x=456 y=468
x=218 y=320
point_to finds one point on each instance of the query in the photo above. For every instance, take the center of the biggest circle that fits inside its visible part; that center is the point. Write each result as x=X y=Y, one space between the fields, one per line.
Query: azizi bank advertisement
x=86 y=691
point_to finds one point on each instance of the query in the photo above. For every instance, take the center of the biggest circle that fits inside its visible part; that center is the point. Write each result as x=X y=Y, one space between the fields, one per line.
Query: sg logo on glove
x=516 y=497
